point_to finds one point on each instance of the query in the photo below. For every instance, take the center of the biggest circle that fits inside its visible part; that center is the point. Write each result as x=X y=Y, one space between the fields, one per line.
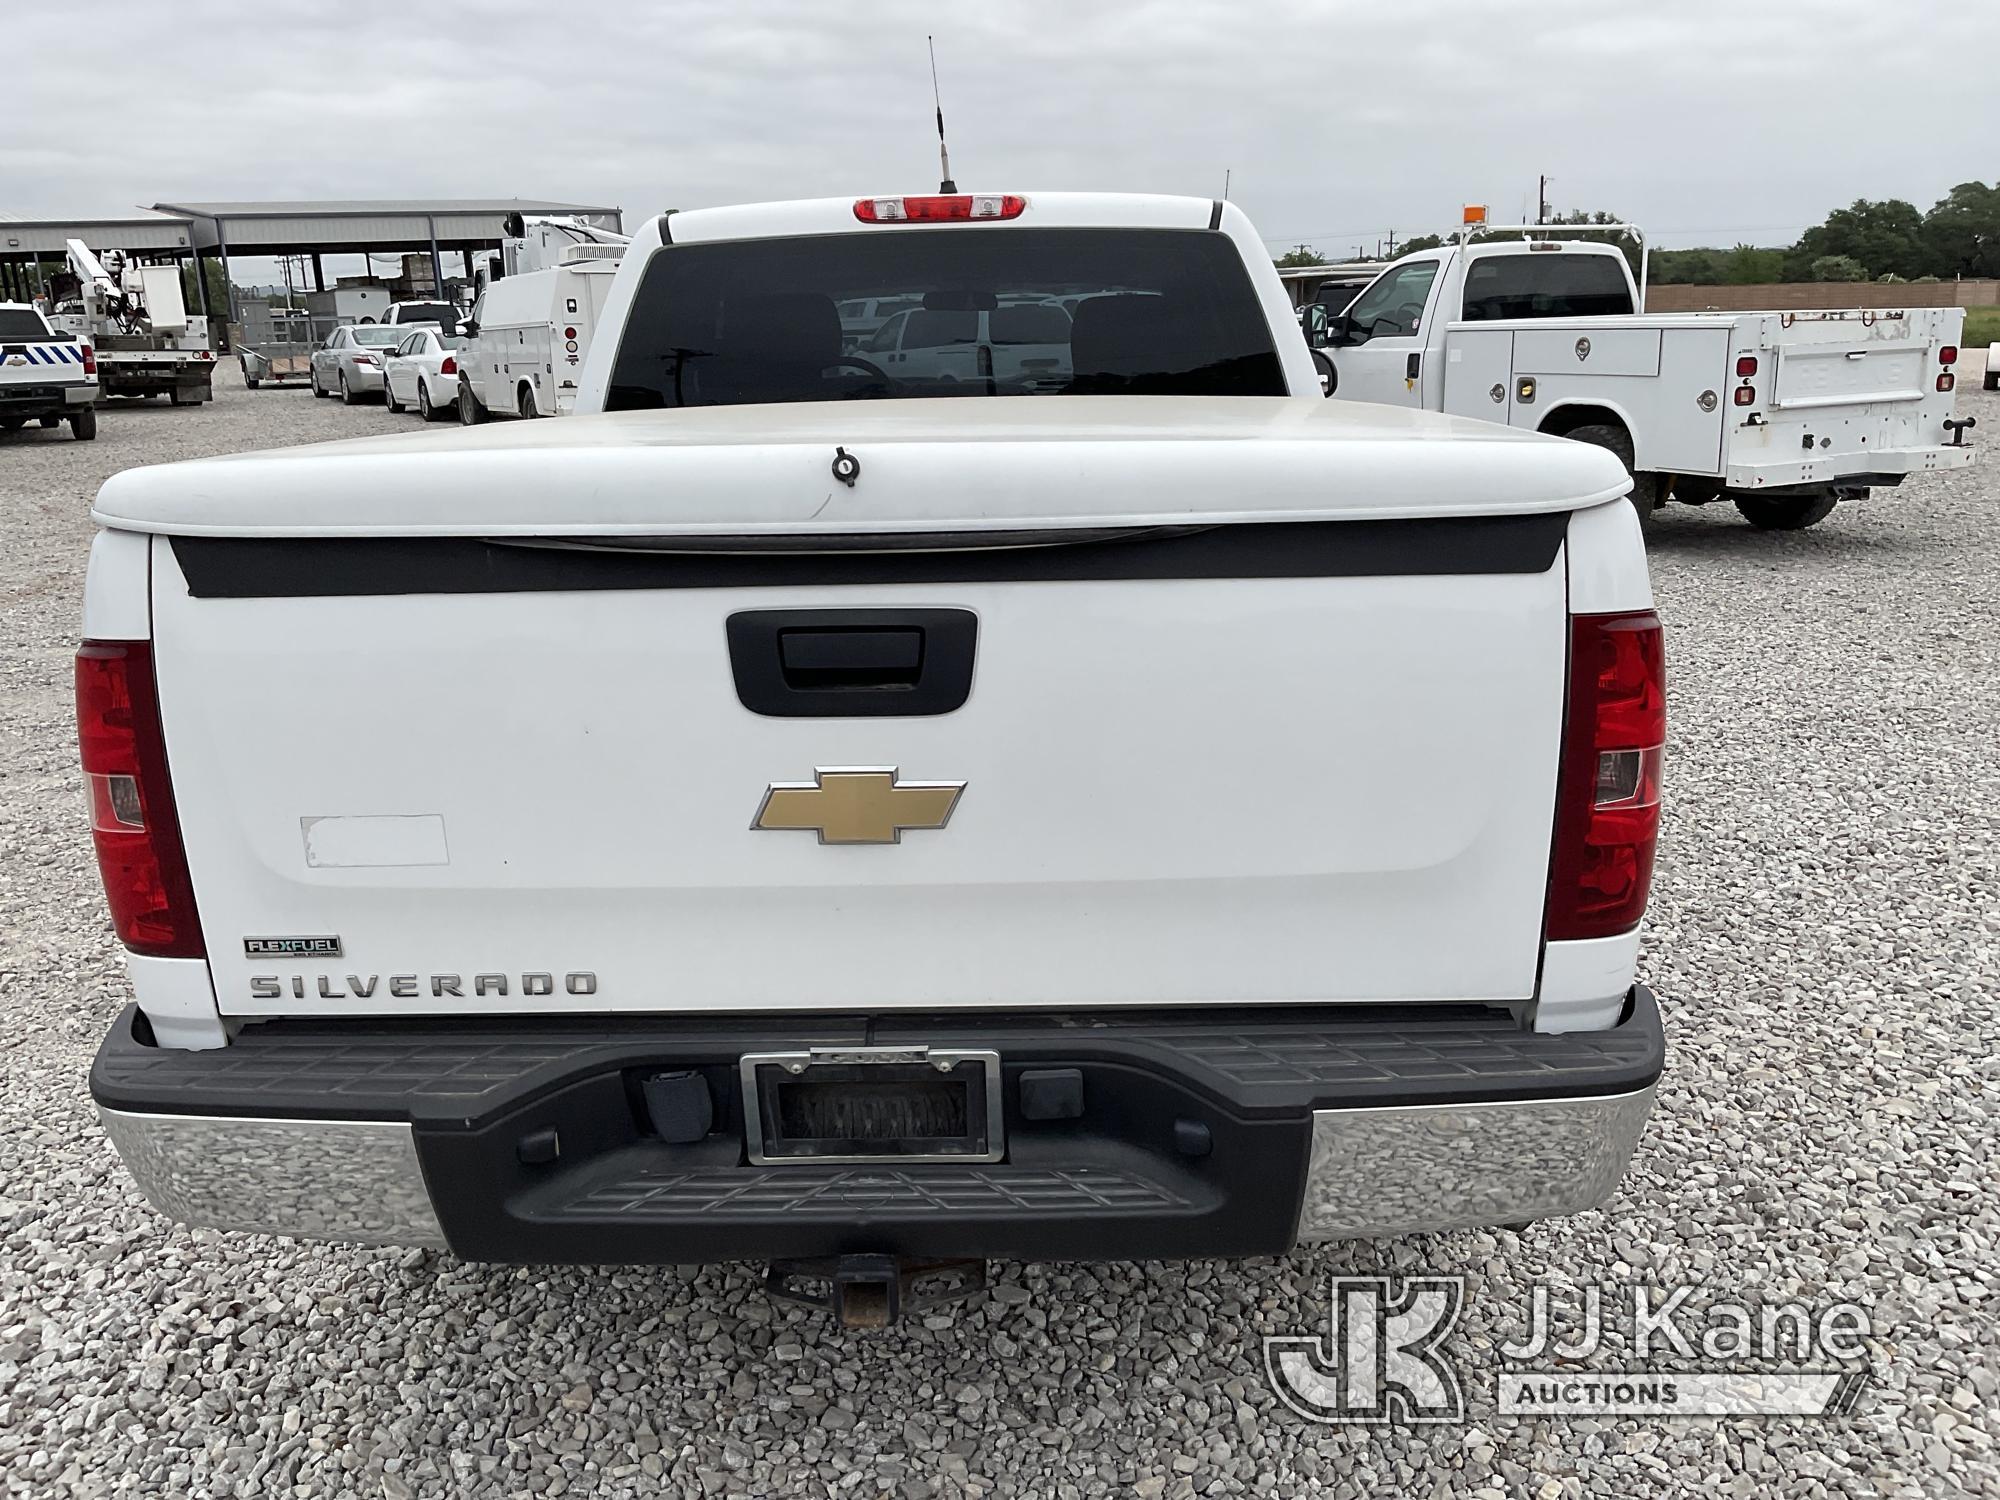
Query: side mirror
x=1341 y=332
x=1329 y=373
x=1313 y=319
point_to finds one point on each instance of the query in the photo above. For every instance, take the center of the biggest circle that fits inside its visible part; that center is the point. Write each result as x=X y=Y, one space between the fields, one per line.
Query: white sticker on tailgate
x=348 y=843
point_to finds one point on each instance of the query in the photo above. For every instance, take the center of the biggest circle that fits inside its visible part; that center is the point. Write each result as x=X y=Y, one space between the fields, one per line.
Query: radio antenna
x=945 y=184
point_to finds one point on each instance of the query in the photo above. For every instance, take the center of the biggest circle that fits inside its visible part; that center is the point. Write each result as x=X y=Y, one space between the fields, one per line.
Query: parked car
x=350 y=361
x=422 y=371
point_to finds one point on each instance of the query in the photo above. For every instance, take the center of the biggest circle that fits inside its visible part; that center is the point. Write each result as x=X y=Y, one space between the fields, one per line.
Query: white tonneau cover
x=978 y=462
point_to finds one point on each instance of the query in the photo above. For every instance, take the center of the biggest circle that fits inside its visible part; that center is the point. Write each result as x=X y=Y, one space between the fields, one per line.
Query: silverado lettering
x=410 y=986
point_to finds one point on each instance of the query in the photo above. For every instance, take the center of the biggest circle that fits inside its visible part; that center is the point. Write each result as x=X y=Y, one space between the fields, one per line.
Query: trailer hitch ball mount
x=873 y=1291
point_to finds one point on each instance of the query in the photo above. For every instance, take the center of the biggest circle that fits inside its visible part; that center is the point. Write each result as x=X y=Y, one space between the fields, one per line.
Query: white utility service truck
x=136 y=319
x=782 y=812
x=45 y=376
x=531 y=324
x=1783 y=413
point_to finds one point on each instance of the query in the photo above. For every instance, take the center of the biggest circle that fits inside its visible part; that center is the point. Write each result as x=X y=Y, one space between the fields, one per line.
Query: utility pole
x=1542 y=199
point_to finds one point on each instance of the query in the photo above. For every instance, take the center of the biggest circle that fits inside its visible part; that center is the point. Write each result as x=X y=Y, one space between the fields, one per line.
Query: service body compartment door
x=1478 y=372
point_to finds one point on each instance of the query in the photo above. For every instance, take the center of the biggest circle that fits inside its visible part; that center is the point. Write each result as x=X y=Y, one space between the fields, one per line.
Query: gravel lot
x=1823 y=940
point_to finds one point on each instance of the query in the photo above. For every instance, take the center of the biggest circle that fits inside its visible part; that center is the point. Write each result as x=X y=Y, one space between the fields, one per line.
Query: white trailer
x=1783 y=413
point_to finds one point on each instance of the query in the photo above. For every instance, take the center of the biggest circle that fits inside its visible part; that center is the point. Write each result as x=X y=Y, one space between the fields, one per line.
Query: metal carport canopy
x=141 y=232
x=355 y=226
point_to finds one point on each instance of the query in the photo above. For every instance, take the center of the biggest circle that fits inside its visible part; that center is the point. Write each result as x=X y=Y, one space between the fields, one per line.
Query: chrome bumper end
x=1380 y=1172
x=351 y=1180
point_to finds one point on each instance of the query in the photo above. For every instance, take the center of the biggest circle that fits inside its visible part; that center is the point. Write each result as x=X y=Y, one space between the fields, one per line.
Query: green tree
x=1961 y=233
x=1752 y=265
x=1421 y=242
x=1837 y=268
x=1301 y=255
x=218 y=289
x=1884 y=236
x=1696 y=267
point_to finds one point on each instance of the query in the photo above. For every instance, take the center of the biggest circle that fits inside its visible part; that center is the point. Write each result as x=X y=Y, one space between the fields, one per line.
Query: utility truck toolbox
x=783 y=813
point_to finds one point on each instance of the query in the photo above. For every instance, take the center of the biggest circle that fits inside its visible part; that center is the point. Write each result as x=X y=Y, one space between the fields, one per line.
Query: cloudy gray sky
x=1710 y=121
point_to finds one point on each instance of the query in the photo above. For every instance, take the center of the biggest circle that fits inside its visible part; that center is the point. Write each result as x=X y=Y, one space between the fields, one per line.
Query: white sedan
x=422 y=371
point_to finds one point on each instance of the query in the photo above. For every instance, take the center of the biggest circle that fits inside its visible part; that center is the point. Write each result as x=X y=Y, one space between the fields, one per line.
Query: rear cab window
x=1549 y=284
x=21 y=323
x=943 y=312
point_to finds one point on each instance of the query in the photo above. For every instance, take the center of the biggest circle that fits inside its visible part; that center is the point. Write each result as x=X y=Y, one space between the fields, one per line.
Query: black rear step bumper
x=1226 y=1136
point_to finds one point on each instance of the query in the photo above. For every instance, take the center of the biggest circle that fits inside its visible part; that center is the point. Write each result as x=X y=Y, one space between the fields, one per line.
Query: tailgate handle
x=852 y=658
x=852 y=663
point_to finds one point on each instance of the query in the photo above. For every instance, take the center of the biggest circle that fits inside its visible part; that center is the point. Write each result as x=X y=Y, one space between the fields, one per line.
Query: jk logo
x=1379 y=1360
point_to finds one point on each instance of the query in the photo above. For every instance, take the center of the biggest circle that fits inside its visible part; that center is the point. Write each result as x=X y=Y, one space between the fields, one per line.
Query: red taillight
x=939 y=209
x=1948 y=355
x=449 y=366
x=569 y=333
x=1746 y=395
x=1946 y=381
x=1746 y=365
x=132 y=817
x=89 y=360
x=1608 y=797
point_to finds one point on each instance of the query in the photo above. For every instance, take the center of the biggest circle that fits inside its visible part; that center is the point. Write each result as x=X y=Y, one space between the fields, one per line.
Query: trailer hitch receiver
x=873 y=1291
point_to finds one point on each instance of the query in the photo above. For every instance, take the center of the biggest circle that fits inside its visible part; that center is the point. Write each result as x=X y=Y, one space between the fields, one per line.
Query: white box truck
x=531 y=324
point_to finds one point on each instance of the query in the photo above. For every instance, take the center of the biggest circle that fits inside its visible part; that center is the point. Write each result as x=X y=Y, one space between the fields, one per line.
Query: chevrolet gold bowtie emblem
x=862 y=806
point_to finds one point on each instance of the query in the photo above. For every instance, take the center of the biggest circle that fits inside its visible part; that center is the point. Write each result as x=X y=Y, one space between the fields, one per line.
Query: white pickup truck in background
x=779 y=813
x=1783 y=413
x=45 y=376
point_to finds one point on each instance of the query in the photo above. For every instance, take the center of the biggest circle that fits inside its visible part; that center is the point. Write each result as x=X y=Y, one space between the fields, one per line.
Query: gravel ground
x=1823 y=940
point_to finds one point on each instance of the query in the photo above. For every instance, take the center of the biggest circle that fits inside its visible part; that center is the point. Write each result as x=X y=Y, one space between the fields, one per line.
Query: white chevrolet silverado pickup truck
x=773 y=815
x=45 y=377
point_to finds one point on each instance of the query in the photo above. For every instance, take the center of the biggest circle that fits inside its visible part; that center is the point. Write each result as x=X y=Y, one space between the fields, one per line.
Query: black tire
x=347 y=396
x=1768 y=513
x=524 y=407
x=51 y=420
x=318 y=391
x=1616 y=441
x=389 y=395
x=425 y=410
x=470 y=412
x=1993 y=380
x=12 y=424
x=83 y=424
x=251 y=382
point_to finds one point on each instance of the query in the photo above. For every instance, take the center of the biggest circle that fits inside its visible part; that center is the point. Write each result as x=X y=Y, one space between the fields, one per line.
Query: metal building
x=436 y=227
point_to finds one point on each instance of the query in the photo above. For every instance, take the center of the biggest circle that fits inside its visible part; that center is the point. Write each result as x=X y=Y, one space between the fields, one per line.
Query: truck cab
x=1382 y=343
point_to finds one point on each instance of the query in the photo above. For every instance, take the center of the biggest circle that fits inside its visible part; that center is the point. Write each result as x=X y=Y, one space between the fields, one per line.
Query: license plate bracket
x=873 y=1105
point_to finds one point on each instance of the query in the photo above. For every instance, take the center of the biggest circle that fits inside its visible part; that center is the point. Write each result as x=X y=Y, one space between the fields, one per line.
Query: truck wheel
x=525 y=407
x=470 y=412
x=12 y=424
x=51 y=420
x=1645 y=496
x=83 y=424
x=1993 y=380
x=1767 y=513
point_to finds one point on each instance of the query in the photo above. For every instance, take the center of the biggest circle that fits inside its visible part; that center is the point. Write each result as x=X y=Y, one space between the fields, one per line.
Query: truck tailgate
x=1175 y=790
x=1266 y=761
